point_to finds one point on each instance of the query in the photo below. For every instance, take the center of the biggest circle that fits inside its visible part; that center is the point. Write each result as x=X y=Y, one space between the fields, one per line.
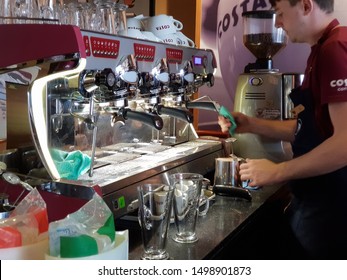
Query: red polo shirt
x=326 y=73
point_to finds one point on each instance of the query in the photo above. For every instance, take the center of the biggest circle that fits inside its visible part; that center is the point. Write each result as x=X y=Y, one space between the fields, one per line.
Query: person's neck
x=319 y=24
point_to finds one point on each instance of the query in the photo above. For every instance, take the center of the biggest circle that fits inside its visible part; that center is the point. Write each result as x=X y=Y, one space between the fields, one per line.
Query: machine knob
x=90 y=80
x=106 y=77
x=255 y=81
x=209 y=80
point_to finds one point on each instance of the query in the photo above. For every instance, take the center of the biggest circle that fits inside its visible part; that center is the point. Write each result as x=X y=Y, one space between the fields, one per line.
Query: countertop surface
x=227 y=216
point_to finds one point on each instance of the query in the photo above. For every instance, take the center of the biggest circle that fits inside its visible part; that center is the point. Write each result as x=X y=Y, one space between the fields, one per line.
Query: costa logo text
x=341 y=84
x=163 y=27
x=232 y=19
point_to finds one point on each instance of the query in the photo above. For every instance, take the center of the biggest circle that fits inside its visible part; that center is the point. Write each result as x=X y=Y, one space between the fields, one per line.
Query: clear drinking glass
x=24 y=10
x=5 y=11
x=120 y=19
x=75 y=13
x=155 y=202
x=186 y=201
x=50 y=10
x=105 y=10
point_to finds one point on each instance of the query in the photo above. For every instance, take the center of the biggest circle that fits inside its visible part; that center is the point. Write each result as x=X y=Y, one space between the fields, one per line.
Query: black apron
x=318 y=212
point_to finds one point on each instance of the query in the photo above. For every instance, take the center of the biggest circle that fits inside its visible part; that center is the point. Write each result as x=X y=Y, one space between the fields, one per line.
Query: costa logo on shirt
x=341 y=84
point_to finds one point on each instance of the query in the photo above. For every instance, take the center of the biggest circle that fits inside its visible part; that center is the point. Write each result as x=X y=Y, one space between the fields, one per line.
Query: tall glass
x=24 y=11
x=155 y=202
x=5 y=11
x=120 y=19
x=186 y=205
x=105 y=10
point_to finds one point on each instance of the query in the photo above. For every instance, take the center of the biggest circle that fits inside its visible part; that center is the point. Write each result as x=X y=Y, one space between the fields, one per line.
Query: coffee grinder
x=262 y=91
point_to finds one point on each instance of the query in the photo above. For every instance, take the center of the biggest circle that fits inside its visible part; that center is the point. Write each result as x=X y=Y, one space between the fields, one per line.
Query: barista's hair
x=324 y=5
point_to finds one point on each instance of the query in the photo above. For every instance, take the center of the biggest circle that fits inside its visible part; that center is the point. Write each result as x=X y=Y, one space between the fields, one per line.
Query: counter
x=232 y=228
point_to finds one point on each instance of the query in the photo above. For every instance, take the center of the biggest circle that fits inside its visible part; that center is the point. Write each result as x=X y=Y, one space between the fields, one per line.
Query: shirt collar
x=330 y=27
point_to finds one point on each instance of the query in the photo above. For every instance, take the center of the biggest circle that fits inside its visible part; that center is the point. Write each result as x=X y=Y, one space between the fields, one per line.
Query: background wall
x=232 y=55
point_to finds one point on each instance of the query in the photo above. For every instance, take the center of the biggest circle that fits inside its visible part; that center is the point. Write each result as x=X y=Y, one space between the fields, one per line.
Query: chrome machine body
x=120 y=100
x=262 y=91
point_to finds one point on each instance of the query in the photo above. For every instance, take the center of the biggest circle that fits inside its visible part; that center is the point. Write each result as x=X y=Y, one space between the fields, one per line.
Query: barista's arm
x=276 y=129
x=327 y=157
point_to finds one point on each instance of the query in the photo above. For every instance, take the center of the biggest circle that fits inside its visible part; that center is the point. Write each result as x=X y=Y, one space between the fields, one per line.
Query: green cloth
x=108 y=229
x=70 y=165
x=226 y=114
x=78 y=246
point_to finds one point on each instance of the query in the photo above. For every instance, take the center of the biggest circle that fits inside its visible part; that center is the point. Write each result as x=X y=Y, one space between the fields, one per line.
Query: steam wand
x=95 y=130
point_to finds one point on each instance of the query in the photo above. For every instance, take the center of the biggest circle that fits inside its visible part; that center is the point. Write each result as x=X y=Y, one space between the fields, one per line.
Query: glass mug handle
x=204 y=205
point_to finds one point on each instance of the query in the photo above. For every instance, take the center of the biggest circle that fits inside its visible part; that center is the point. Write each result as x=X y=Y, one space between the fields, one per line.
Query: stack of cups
x=135 y=29
x=160 y=28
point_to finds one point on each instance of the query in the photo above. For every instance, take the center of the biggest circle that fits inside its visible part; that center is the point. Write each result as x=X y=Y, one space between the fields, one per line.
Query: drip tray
x=117 y=158
x=137 y=148
x=150 y=149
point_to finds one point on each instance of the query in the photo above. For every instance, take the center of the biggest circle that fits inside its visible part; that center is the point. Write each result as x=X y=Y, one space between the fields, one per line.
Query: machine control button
x=255 y=81
x=103 y=47
x=115 y=204
x=121 y=202
x=118 y=203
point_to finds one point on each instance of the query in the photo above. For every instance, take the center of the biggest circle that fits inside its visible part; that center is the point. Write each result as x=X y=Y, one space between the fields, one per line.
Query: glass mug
x=187 y=200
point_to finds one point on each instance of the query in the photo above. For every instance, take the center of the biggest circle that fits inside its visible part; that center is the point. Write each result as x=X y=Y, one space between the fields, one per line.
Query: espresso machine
x=262 y=90
x=120 y=101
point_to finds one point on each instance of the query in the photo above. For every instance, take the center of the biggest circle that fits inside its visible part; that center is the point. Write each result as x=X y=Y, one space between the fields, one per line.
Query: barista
x=318 y=172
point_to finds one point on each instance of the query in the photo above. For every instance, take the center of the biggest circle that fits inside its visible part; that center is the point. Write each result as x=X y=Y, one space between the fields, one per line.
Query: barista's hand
x=224 y=124
x=242 y=122
x=260 y=172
